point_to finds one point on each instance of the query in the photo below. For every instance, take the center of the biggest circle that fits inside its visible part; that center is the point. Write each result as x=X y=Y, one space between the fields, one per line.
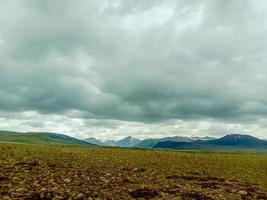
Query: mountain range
x=130 y=141
x=233 y=141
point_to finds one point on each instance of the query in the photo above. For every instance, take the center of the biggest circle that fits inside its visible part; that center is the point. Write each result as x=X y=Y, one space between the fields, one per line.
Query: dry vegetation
x=54 y=172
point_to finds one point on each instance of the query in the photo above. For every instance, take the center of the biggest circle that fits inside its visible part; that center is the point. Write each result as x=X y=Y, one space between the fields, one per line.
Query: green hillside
x=41 y=138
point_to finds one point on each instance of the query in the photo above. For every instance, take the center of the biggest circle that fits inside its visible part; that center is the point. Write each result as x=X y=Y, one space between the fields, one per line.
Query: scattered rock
x=58 y=198
x=35 y=162
x=21 y=190
x=67 y=180
x=139 y=169
x=242 y=192
x=135 y=169
x=79 y=196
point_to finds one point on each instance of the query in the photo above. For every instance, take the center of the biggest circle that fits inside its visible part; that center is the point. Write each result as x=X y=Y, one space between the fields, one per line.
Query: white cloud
x=144 y=68
x=116 y=129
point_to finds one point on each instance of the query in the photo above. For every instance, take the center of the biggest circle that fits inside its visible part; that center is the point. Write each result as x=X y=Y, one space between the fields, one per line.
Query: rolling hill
x=41 y=138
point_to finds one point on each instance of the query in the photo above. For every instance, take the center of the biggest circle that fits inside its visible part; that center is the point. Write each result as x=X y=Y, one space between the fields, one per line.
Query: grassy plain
x=66 y=172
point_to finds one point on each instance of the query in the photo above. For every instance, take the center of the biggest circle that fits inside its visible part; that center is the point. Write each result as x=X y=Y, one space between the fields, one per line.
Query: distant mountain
x=150 y=143
x=128 y=142
x=109 y=143
x=180 y=145
x=125 y=142
x=245 y=141
x=41 y=138
x=203 y=138
x=93 y=141
x=234 y=141
x=147 y=143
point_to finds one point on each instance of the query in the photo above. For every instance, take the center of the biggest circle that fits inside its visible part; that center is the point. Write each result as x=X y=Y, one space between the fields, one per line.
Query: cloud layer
x=134 y=63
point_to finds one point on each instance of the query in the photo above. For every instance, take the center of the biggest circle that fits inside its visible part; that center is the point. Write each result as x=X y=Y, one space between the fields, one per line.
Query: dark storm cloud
x=141 y=61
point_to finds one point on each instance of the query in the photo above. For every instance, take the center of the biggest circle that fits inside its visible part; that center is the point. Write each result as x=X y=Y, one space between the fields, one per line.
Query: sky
x=145 y=68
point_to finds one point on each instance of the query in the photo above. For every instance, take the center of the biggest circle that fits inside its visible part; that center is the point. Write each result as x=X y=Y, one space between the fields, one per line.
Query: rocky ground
x=30 y=175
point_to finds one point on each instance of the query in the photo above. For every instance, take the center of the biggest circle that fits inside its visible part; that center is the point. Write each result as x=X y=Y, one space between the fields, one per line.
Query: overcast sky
x=146 y=68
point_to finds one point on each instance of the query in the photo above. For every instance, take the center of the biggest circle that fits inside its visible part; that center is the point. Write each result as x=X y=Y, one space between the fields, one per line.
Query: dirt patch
x=195 y=196
x=144 y=193
x=4 y=178
x=212 y=185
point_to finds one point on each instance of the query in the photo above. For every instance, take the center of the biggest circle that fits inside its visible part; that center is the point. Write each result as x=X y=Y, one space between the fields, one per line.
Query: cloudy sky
x=146 y=68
